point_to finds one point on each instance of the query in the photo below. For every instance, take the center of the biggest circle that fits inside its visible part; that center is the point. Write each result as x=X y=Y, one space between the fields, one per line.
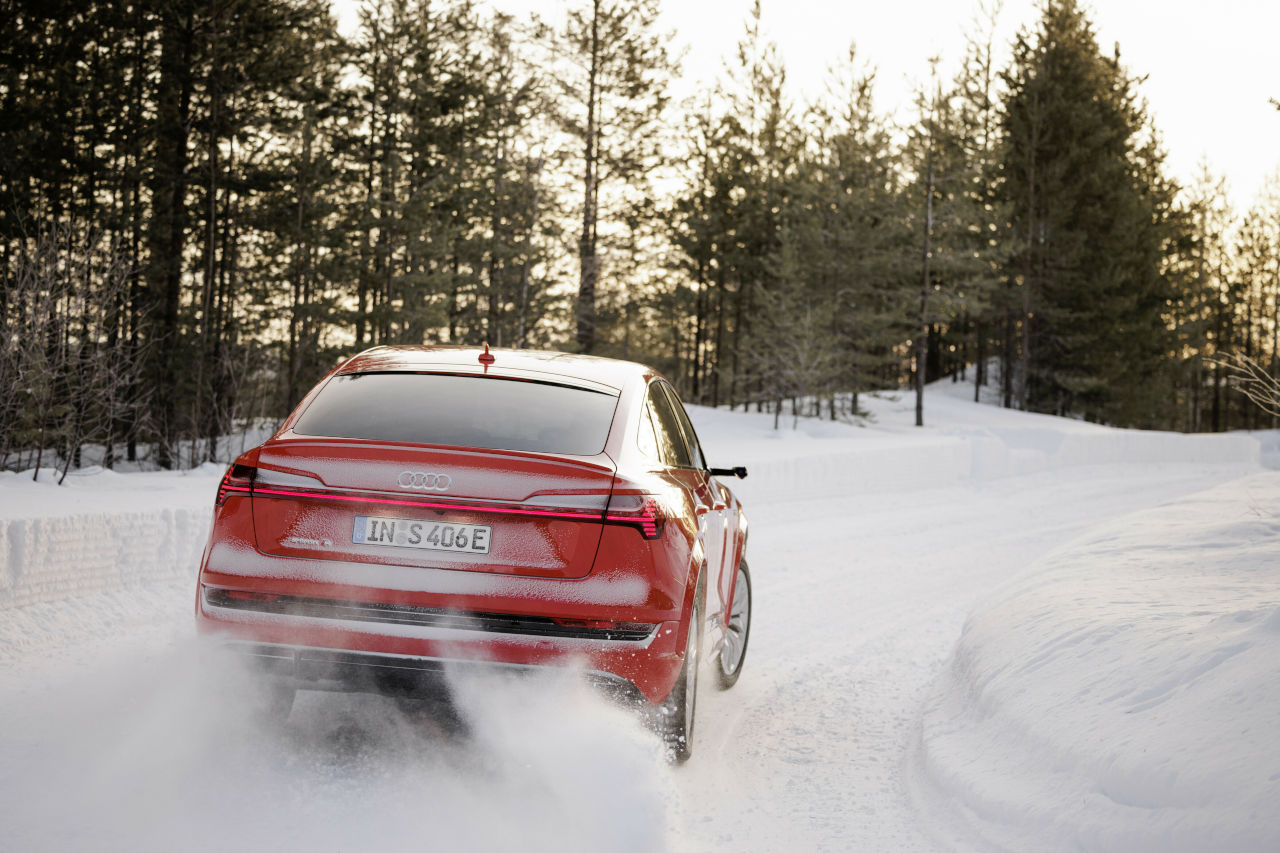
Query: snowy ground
x=1113 y=688
x=1123 y=695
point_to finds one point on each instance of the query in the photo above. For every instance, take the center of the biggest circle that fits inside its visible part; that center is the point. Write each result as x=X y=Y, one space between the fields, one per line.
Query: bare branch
x=1252 y=380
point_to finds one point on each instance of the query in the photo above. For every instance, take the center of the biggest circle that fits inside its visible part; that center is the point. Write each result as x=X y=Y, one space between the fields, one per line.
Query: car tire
x=676 y=713
x=733 y=652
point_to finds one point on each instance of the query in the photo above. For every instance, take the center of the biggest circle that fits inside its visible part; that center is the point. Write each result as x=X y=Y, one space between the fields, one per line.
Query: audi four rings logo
x=424 y=480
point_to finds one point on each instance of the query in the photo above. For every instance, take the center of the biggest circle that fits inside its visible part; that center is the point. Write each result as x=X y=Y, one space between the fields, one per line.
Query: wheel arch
x=695 y=585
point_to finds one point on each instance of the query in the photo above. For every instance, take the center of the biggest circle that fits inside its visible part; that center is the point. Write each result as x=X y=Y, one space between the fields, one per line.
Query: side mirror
x=739 y=472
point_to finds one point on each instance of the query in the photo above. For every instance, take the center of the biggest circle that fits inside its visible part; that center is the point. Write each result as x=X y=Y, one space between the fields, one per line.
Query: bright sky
x=1211 y=66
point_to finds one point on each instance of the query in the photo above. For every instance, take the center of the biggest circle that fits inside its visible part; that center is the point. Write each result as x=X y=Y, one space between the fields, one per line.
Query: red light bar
x=641 y=511
x=461 y=507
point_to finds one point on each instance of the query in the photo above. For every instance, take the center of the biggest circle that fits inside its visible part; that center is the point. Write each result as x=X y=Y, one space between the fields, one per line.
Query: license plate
x=428 y=535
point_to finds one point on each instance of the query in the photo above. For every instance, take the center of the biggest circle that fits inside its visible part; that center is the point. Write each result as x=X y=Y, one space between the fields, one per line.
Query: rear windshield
x=463 y=411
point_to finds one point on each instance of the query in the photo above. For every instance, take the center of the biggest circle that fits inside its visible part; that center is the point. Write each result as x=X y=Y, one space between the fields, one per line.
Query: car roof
x=537 y=365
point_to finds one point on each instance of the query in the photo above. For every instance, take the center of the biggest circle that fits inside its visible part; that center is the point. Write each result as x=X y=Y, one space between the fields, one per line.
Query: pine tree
x=865 y=263
x=521 y=217
x=167 y=223
x=305 y=263
x=614 y=96
x=1091 y=212
x=699 y=213
x=987 y=237
x=1197 y=267
x=956 y=227
x=764 y=146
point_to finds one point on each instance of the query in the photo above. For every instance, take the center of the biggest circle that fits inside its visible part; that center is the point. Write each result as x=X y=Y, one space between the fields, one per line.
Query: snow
x=1122 y=695
x=962 y=442
x=78 y=559
x=1002 y=631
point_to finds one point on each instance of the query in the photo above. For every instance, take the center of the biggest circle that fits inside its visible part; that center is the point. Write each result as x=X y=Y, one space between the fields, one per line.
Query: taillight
x=642 y=511
x=237 y=481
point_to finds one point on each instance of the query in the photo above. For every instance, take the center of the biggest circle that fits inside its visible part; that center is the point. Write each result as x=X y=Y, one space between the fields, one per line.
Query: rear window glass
x=463 y=411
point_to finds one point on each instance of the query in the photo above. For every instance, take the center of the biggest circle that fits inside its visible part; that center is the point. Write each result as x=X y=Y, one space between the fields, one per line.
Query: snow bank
x=101 y=534
x=1123 y=694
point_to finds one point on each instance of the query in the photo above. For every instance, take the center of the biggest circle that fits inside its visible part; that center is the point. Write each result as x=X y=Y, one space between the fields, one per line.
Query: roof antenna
x=486 y=357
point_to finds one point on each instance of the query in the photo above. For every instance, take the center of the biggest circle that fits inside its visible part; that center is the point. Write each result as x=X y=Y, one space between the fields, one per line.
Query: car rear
x=403 y=519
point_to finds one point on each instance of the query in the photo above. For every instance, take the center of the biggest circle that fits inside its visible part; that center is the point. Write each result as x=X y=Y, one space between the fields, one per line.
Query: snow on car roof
x=510 y=363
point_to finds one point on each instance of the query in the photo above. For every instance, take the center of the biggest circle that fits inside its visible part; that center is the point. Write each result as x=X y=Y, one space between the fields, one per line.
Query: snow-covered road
x=860 y=604
x=113 y=737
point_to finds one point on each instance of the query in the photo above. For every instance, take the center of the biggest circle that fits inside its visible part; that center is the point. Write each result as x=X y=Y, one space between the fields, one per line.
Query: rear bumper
x=341 y=669
x=327 y=649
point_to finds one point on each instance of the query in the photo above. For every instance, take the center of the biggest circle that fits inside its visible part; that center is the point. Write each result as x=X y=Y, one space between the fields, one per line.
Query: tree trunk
x=980 y=367
x=588 y=262
x=922 y=332
x=168 y=220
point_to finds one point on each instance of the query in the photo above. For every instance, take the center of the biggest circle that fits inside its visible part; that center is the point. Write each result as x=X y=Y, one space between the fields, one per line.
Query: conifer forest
x=205 y=204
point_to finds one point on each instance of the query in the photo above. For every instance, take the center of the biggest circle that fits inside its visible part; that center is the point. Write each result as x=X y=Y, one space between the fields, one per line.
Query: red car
x=424 y=506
